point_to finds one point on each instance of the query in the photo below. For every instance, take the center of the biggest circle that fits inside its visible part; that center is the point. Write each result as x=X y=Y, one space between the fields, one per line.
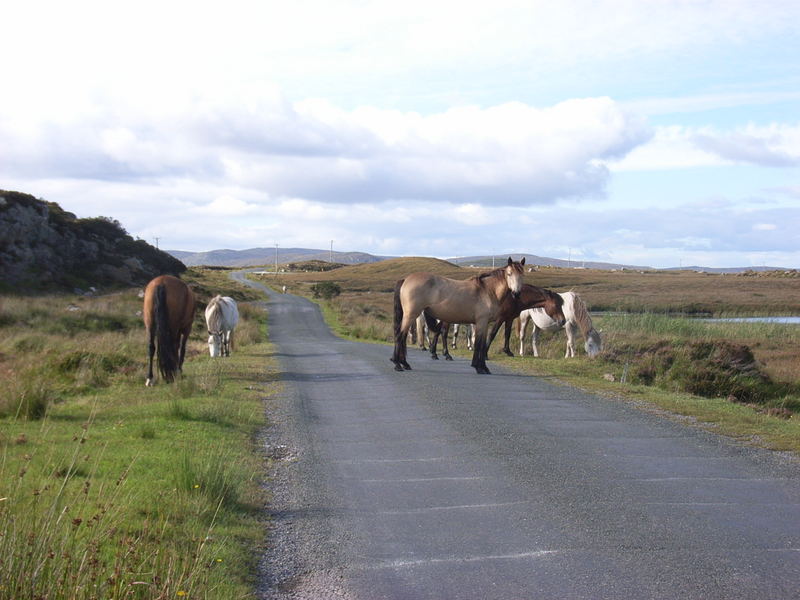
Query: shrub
x=326 y=290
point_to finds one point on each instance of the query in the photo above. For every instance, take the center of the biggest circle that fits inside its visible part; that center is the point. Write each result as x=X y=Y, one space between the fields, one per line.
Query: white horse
x=577 y=318
x=222 y=315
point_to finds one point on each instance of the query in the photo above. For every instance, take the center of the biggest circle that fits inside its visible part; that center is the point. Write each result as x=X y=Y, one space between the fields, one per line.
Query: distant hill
x=266 y=256
x=44 y=247
x=542 y=261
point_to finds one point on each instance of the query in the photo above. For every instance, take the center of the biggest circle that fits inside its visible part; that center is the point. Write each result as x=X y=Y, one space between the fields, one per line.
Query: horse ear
x=522 y=262
x=510 y=262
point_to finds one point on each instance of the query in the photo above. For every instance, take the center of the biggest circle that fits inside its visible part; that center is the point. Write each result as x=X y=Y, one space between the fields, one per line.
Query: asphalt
x=438 y=483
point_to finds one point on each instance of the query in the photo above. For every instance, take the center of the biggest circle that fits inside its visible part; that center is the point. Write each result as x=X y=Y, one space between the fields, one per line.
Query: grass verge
x=112 y=490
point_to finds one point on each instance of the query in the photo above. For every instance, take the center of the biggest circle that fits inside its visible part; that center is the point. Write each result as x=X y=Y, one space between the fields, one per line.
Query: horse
x=168 y=314
x=530 y=296
x=577 y=318
x=222 y=315
x=474 y=300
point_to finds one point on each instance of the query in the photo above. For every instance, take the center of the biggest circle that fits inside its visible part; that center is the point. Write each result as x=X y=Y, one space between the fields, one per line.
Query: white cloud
x=511 y=154
x=677 y=147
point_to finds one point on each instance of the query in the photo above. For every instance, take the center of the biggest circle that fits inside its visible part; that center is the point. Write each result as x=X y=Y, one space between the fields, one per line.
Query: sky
x=656 y=133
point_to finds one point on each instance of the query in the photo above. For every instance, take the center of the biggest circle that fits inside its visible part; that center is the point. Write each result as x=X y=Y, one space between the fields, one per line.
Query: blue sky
x=651 y=133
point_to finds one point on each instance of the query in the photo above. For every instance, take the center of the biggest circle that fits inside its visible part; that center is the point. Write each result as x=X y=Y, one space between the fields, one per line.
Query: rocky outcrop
x=43 y=246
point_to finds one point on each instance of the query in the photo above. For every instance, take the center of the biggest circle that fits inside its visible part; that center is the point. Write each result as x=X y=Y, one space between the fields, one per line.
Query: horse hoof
x=398 y=367
x=149 y=382
x=407 y=366
x=434 y=357
x=448 y=357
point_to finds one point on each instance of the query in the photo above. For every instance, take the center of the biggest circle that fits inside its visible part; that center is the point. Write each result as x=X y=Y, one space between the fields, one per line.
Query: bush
x=326 y=290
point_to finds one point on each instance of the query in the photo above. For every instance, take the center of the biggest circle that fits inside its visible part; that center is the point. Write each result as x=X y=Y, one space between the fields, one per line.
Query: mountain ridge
x=263 y=256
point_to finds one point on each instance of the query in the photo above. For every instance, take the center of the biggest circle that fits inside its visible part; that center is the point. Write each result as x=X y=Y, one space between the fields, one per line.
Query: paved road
x=440 y=483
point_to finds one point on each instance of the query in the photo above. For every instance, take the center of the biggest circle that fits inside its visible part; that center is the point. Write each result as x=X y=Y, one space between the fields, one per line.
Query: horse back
x=179 y=298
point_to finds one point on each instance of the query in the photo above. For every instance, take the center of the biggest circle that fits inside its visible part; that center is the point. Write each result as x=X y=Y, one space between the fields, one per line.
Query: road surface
x=439 y=483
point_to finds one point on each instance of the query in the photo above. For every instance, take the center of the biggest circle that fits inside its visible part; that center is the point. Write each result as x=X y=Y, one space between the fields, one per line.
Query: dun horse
x=475 y=300
x=222 y=315
x=168 y=314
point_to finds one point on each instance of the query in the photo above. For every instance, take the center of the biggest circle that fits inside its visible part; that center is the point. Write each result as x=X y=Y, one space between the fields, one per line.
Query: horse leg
x=481 y=349
x=435 y=342
x=521 y=327
x=400 y=347
x=151 y=350
x=495 y=329
x=507 y=332
x=570 y=341
x=445 y=351
x=535 y=340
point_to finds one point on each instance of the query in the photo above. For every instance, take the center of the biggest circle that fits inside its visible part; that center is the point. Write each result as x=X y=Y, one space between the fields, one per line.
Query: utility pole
x=276 y=257
x=156 y=239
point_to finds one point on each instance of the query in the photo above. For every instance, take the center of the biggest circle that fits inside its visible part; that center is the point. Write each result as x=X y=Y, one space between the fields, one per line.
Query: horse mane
x=215 y=316
x=580 y=314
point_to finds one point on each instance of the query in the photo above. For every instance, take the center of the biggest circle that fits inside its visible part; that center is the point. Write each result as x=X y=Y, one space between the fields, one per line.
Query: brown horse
x=168 y=314
x=530 y=296
x=475 y=300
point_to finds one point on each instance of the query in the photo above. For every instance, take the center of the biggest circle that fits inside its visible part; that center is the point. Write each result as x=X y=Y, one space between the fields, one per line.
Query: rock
x=43 y=246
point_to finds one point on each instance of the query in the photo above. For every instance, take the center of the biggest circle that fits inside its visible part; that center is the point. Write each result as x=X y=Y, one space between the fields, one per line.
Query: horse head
x=215 y=344
x=513 y=273
x=593 y=344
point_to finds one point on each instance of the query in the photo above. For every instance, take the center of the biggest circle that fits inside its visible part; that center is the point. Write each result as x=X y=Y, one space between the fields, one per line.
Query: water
x=781 y=320
x=778 y=320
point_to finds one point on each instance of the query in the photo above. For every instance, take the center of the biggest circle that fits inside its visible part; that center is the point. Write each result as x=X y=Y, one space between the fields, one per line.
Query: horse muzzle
x=515 y=295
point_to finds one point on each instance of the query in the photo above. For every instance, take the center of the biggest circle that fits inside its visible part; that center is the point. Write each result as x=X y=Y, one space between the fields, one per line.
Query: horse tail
x=167 y=359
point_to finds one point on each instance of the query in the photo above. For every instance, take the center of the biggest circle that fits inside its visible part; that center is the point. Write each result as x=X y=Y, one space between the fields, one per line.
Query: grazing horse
x=168 y=314
x=222 y=315
x=577 y=318
x=531 y=298
x=474 y=300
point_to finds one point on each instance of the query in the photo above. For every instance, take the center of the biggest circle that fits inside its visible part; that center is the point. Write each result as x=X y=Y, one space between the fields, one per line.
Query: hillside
x=266 y=256
x=43 y=247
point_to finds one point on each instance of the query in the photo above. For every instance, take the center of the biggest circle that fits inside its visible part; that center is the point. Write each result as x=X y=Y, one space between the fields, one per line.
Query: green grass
x=109 y=489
